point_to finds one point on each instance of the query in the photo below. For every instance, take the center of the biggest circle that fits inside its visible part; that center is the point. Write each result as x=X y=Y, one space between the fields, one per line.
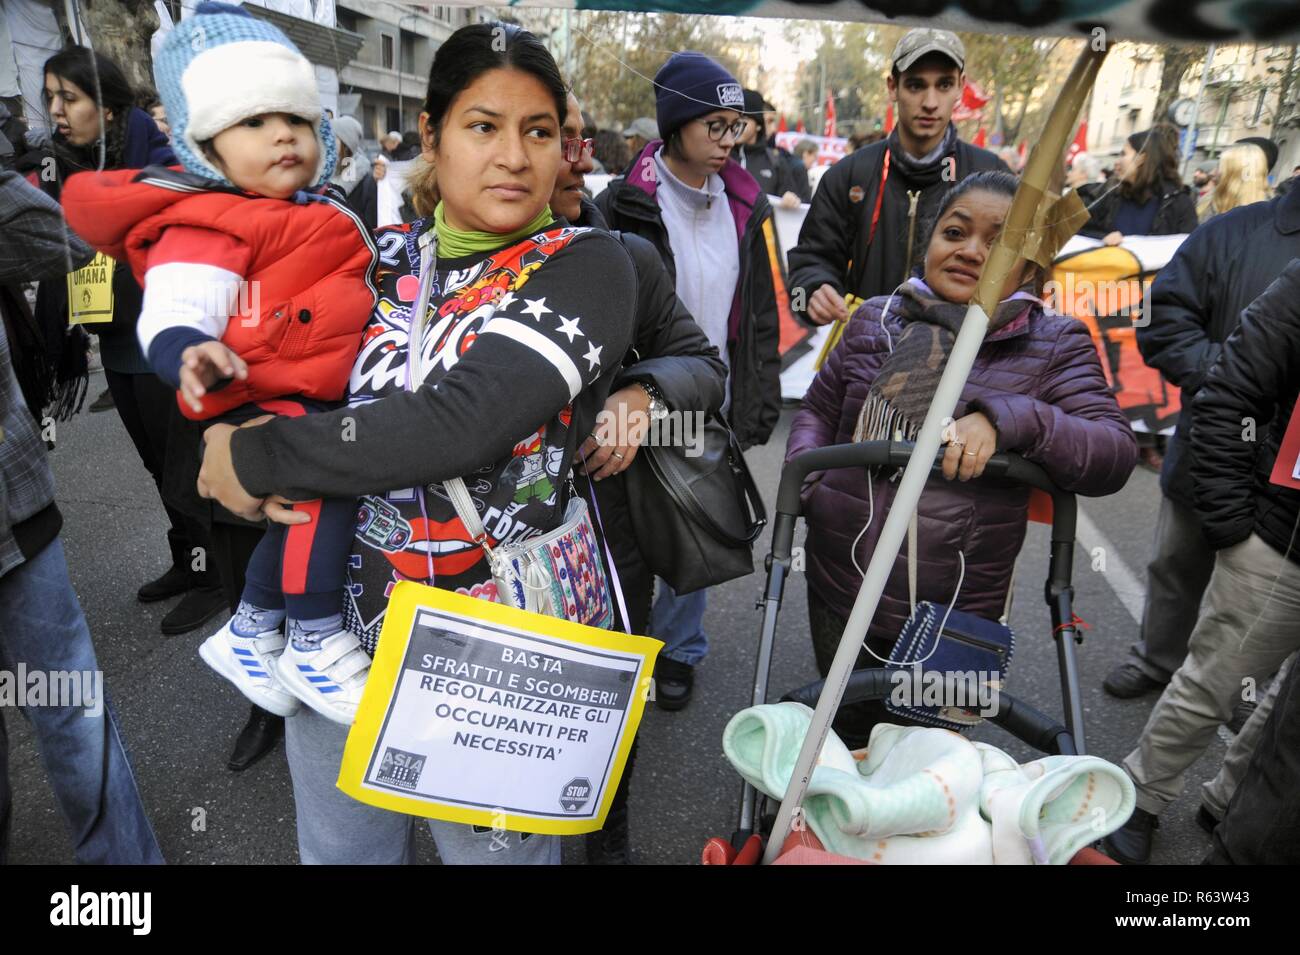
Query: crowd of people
x=684 y=318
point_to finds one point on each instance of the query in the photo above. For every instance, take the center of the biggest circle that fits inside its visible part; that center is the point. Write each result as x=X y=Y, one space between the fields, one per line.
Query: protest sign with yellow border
x=90 y=292
x=482 y=714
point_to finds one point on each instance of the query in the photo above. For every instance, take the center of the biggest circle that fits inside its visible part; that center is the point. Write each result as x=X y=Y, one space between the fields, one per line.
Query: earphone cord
x=961 y=576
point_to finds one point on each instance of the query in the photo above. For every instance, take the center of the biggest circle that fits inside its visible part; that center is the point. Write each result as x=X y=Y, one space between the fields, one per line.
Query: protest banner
x=90 y=292
x=1105 y=287
x=830 y=149
x=478 y=713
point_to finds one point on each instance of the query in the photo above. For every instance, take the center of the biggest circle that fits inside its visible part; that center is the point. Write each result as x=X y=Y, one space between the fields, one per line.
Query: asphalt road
x=179 y=719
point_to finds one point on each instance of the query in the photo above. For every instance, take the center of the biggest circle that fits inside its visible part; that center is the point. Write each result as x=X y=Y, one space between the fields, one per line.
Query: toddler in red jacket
x=256 y=292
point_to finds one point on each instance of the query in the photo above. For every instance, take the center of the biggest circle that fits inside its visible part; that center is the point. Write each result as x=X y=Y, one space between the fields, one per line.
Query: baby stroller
x=1032 y=727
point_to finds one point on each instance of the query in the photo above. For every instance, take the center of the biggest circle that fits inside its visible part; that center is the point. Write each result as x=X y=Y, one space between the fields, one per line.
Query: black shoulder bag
x=696 y=517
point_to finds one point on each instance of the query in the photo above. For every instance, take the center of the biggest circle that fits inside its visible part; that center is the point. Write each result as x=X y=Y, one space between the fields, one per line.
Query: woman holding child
x=520 y=348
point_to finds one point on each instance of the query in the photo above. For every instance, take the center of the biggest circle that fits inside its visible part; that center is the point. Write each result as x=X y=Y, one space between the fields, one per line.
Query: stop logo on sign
x=575 y=794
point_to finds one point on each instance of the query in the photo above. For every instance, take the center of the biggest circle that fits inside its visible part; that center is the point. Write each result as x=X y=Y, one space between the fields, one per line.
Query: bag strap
x=911 y=575
x=428 y=245
x=460 y=499
x=686 y=500
x=1011 y=593
x=614 y=580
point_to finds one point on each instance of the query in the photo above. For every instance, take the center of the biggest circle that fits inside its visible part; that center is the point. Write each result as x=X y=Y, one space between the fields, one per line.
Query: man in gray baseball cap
x=641 y=131
x=853 y=243
x=917 y=43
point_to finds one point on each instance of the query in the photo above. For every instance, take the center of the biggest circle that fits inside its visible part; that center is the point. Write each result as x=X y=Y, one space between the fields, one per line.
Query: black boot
x=609 y=846
x=1131 y=843
x=1128 y=680
x=258 y=737
x=104 y=402
x=1240 y=714
x=674 y=683
x=175 y=581
x=196 y=608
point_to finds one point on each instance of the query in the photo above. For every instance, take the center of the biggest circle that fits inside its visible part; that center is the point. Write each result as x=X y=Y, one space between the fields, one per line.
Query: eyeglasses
x=574 y=149
x=718 y=128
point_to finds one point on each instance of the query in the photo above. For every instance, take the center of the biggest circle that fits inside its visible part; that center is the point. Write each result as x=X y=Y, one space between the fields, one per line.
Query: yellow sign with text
x=482 y=714
x=90 y=292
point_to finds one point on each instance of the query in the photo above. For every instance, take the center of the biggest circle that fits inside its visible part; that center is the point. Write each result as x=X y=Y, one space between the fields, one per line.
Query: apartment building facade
x=1243 y=96
x=383 y=86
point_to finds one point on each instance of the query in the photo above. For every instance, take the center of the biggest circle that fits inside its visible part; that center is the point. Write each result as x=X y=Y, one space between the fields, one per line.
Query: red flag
x=979 y=138
x=1020 y=151
x=889 y=119
x=972 y=97
x=830 y=115
x=781 y=127
x=1080 y=144
x=799 y=127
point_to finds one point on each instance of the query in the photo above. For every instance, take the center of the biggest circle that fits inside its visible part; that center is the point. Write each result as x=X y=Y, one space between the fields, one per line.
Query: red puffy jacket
x=310 y=276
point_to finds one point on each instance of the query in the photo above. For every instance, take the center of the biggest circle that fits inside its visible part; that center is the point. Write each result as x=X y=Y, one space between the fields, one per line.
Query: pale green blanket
x=931 y=796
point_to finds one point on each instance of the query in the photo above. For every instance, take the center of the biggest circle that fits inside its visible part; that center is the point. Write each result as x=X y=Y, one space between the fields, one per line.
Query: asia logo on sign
x=575 y=794
x=400 y=768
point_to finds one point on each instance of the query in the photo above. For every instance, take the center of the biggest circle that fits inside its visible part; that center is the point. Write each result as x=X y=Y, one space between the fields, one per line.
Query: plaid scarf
x=901 y=394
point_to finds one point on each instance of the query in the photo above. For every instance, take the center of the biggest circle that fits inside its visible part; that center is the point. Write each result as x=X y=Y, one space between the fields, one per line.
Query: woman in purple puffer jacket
x=1036 y=388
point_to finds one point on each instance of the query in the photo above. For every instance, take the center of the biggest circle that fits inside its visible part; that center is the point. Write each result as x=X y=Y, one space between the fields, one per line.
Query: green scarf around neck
x=456 y=243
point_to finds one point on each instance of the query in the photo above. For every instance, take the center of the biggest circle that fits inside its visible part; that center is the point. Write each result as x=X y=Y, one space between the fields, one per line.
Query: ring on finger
x=617 y=455
x=973 y=454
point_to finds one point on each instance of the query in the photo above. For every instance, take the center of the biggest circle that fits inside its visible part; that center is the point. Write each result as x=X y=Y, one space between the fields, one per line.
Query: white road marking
x=1126 y=585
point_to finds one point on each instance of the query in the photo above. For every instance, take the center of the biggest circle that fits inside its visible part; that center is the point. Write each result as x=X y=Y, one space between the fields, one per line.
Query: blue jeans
x=43 y=630
x=335 y=829
x=679 y=623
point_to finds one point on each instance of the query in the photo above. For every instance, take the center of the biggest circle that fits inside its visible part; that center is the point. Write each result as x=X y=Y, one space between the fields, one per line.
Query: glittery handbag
x=558 y=574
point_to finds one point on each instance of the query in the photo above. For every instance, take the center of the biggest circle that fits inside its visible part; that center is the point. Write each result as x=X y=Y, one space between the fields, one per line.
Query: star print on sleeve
x=593 y=355
x=569 y=326
x=536 y=307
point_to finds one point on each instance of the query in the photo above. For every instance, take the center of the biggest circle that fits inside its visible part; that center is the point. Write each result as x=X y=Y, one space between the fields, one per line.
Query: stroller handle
x=896 y=454
x=1015 y=716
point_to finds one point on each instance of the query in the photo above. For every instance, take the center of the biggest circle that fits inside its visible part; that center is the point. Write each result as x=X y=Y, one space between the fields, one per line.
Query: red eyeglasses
x=574 y=149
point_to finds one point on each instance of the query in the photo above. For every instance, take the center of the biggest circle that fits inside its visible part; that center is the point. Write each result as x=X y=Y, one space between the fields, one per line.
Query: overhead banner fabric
x=481 y=714
x=1198 y=21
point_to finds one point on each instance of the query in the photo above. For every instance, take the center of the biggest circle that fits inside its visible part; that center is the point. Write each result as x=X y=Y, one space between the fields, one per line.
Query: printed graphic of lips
x=449 y=543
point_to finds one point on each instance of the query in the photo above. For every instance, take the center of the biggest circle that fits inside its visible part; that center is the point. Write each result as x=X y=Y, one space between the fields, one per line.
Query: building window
x=394 y=120
x=1259 y=107
x=345 y=20
x=387 y=46
x=370 y=118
